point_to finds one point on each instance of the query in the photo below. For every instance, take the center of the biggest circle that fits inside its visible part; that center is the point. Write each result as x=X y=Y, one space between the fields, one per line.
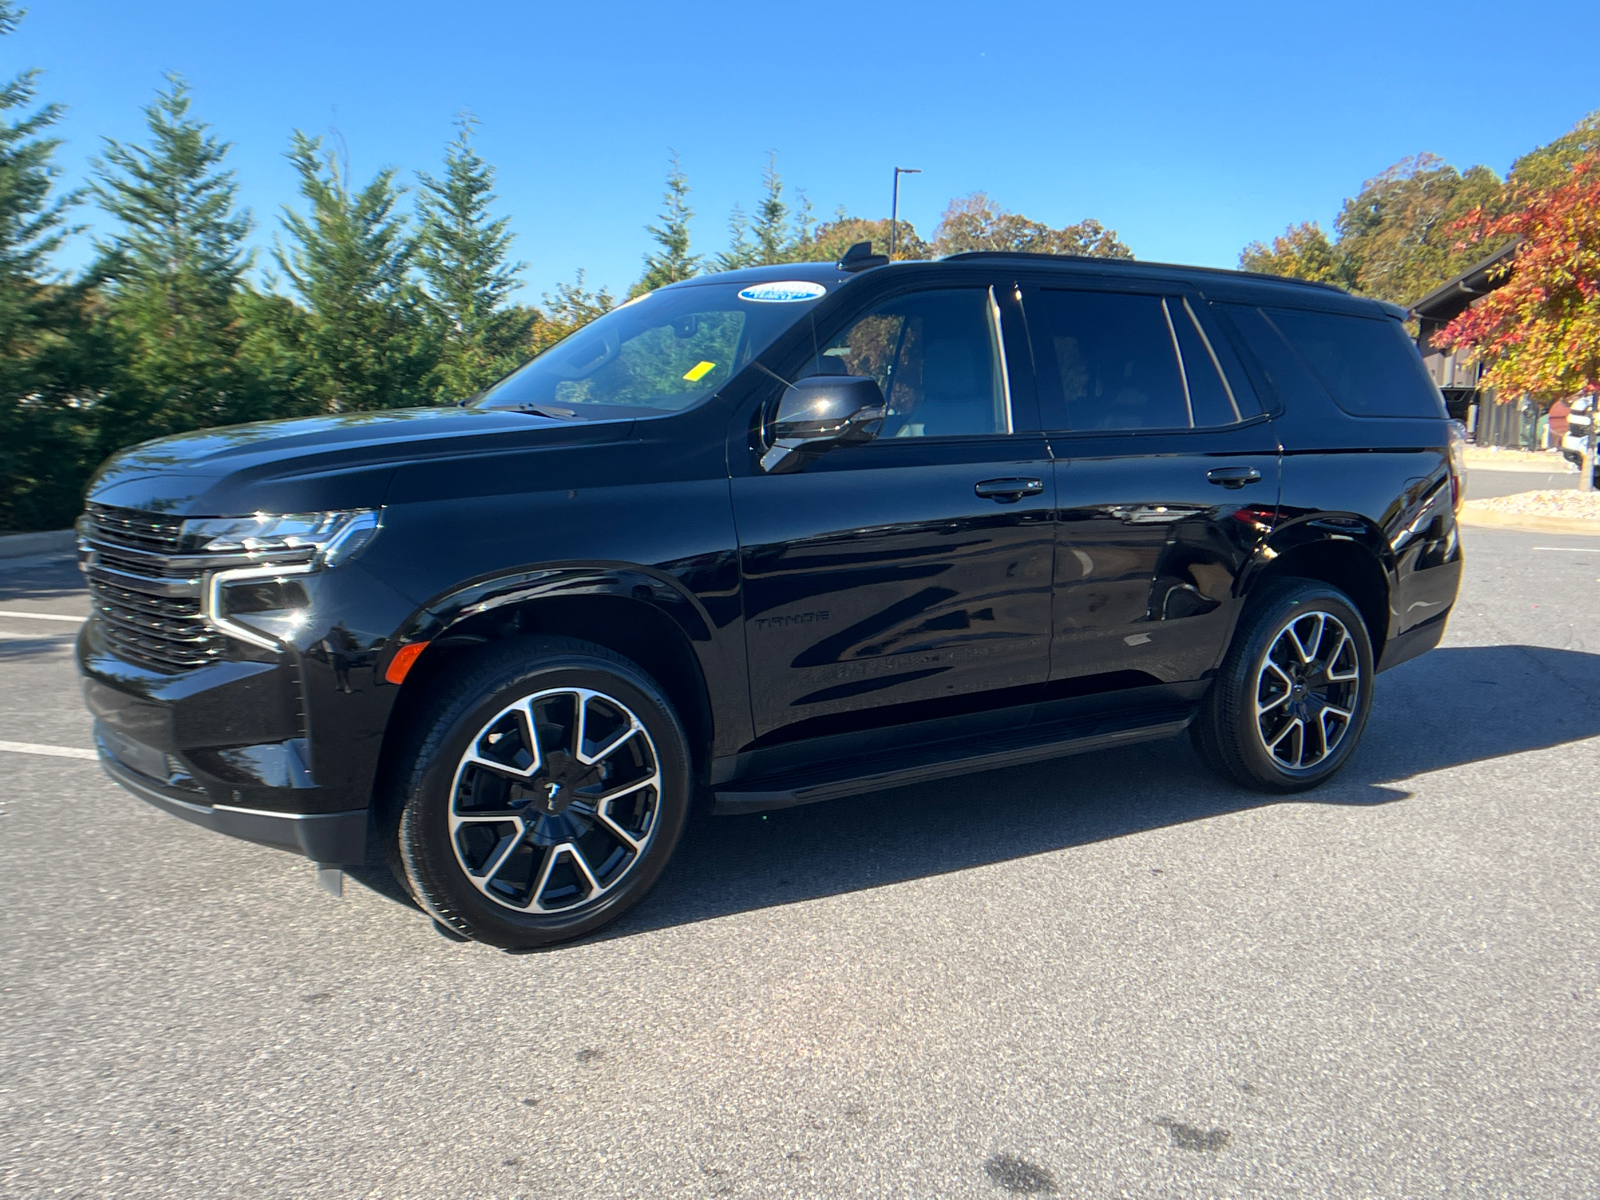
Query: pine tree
x=173 y=275
x=44 y=426
x=771 y=225
x=463 y=255
x=362 y=341
x=740 y=253
x=673 y=262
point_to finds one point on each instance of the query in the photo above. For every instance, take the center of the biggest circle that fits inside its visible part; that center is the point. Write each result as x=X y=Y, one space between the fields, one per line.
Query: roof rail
x=1129 y=262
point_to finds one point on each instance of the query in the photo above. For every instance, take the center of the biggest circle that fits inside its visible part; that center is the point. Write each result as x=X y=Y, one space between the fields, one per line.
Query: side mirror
x=821 y=412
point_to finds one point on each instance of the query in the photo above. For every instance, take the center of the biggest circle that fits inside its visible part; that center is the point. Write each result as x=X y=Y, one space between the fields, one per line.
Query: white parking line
x=27 y=616
x=52 y=751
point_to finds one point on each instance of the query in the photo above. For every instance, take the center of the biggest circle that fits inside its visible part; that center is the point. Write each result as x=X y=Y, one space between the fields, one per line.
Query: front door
x=1167 y=478
x=917 y=567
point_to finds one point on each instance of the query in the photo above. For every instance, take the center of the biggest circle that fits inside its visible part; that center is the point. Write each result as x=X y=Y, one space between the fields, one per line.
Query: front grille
x=146 y=595
x=166 y=633
x=133 y=527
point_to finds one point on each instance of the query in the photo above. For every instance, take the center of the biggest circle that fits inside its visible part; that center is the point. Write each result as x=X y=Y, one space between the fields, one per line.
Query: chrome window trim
x=998 y=334
x=1238 y=414
x=1183 y=371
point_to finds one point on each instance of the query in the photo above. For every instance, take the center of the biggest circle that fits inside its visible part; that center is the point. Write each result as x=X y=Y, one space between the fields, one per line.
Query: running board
x=960 y=756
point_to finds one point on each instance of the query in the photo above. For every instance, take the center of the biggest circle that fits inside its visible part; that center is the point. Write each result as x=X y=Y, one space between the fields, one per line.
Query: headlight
x=324 y=537
x=283 y=546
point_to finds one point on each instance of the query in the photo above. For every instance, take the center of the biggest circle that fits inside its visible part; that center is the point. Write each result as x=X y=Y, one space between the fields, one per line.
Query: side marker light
x=400 y=665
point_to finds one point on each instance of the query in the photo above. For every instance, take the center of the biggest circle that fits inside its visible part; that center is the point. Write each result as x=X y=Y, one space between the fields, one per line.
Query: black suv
x=771 y=537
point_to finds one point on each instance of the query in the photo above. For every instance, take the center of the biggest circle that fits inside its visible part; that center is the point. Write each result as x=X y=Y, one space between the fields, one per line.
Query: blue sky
x=1191 y=129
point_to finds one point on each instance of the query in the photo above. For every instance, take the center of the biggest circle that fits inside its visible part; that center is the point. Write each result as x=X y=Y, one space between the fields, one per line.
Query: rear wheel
x=1293 y=694
x=541 y=794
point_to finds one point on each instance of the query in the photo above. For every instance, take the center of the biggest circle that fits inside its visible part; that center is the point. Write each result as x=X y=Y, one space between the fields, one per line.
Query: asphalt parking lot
x=1104 y=976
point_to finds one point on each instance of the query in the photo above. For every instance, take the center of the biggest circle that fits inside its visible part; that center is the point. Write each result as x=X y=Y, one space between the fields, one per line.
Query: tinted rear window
x=1115 y=362
x=1369 y=367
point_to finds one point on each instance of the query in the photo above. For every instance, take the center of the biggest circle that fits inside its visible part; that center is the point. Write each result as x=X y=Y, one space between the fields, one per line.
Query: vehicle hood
x=318 y=463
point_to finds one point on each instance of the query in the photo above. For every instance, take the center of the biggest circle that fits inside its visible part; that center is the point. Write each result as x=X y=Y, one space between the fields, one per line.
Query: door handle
x=1233 y=477
x=1008 y=491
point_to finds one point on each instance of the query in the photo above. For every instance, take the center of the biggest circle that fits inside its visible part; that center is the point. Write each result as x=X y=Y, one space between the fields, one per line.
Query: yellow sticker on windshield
x=699 y=371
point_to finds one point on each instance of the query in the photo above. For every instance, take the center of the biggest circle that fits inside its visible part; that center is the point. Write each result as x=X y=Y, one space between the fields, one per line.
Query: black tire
x=1233 y=736
x=472 y=835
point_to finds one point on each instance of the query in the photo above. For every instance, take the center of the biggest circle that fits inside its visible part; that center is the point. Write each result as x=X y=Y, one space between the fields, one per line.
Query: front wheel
x=542 y=793
x=1293 y=694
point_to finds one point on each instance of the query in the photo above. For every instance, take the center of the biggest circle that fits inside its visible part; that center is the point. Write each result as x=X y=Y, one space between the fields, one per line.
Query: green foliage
x=45 y=346
x=363 y=337
x=463 y=255
x=740 y=253
x=772 y=236
x=1397 y=234
x=172 y=276
x=571 y=308
x=974 y=222
x=770 y=227
x=1301 y=252
x=673 y=262
x=831 y=239
x=1396 y=239
x=1551 y=166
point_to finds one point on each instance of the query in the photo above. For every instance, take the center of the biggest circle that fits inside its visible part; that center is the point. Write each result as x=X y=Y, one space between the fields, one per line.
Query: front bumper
x=331 y=839
x=279 y=749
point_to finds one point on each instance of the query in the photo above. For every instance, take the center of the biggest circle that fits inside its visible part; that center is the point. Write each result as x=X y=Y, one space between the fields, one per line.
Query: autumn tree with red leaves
x=1539 y=333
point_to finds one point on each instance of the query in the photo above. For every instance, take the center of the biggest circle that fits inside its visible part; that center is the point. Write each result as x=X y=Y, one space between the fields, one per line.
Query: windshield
x=658 y=354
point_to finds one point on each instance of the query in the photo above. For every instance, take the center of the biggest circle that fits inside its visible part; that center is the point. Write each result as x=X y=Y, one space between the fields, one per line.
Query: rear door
x=1167 y=477
x=917 y=567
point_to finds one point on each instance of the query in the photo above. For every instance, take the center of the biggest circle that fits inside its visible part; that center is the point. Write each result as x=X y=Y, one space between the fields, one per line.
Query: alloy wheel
x=555 y=801
x=1307 y=690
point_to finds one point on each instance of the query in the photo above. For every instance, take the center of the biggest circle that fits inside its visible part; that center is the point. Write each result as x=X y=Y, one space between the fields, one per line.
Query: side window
x=937 y=358
x=1112 y=357
x=1117 y=360
x=1369 y=366
x=1284 y=371
x=1211 y=400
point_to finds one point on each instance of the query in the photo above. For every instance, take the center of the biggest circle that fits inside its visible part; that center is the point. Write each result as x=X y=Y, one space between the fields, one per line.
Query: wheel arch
x=643 y=616
x=1347 y=552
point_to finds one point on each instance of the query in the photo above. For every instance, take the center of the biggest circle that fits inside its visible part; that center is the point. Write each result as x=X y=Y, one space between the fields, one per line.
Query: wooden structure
x=1513 y=423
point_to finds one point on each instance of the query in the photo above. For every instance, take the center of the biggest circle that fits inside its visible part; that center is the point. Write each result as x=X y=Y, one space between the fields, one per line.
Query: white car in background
x=1575 y=442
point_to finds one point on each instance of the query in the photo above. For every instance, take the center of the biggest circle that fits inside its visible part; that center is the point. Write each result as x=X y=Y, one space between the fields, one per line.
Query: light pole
x=894 y=205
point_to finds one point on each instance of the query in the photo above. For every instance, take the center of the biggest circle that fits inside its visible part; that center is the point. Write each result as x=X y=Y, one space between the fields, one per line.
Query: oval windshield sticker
x=787 y=292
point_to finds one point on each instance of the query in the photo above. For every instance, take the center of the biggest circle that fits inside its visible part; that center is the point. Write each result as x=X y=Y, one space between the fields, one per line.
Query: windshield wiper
x=541 y=410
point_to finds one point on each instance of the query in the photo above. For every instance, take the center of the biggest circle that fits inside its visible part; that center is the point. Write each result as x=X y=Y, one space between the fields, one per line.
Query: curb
x=1524 y=468
x=21 y=545
x=1528 y=523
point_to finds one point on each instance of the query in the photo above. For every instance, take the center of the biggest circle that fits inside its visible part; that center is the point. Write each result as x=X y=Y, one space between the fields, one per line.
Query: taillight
x=1458 y=464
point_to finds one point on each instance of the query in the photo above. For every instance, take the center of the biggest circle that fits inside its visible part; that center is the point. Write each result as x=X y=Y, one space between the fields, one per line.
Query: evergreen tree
x=673 y=262
x=799 y=248
x=771 y=225
x=44 y=420
x=363 y=341
x=173 y=276
x=463 y=255
x=740 y=253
